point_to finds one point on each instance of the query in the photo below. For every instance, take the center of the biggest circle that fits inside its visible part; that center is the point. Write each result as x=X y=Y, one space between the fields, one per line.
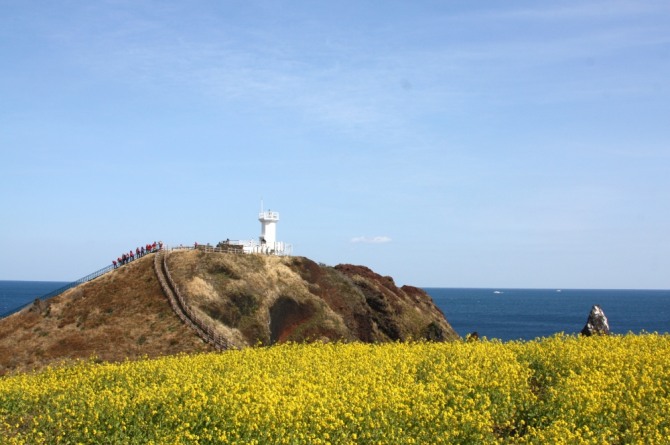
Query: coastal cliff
x=246 y=300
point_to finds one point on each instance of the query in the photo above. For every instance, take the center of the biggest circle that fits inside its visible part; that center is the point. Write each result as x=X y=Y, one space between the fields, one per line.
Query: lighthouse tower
x=267 y=242
x=268 y=228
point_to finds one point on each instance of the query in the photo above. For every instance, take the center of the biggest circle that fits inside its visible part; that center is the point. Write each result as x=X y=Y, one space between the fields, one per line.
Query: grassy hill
x=246 y=299
x=120 y=315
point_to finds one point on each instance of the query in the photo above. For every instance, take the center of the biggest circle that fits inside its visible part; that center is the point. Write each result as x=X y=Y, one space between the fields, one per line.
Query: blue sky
x=443 y=143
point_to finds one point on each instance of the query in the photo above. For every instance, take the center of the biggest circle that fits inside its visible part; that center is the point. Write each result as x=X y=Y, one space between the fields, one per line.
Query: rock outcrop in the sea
x=246 y=299
x=597 y=323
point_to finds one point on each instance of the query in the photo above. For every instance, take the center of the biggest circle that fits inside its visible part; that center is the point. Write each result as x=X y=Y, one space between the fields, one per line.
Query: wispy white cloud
x=369 y=81
x=371 y=240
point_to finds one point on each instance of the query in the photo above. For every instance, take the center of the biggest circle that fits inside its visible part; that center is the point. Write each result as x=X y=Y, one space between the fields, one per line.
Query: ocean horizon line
x=493 y=288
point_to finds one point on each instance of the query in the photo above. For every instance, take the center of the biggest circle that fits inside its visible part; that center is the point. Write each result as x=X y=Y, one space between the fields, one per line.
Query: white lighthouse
x=268 y=227
x=267 y=241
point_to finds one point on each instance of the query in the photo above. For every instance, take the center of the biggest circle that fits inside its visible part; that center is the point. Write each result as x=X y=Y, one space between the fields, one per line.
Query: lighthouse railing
x=269 y=216
x=278 y=248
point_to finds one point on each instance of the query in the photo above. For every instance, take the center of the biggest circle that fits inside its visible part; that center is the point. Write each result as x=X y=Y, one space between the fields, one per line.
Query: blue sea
x=526 y=314
x=505 y=314
x=14 y=294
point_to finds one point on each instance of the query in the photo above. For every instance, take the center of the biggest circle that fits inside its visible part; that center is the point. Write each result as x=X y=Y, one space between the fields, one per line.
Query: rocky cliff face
x=247 y=299
x=251 y=299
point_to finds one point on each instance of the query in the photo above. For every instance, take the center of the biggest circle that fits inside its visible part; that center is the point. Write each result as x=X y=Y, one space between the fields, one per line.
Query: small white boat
x=497 y=292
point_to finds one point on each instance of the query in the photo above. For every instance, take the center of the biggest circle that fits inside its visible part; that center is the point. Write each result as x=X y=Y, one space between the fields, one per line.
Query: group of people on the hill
x=139 y=252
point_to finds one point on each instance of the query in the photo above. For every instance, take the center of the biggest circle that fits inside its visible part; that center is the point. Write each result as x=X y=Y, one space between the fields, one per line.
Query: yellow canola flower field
x=562 y=389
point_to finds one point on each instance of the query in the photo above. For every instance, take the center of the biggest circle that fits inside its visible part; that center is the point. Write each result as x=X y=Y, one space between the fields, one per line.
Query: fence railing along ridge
x=229 y=248
x=60 y=290
x=162 y=279
x=104 y=270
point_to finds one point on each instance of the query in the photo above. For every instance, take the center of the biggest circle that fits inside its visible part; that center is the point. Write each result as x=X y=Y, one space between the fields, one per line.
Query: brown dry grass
x=268 y=299
x=121 y=315
x=249 y=299
x=236 y=294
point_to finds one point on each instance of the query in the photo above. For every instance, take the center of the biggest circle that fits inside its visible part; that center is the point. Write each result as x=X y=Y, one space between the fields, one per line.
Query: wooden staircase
x=182 y=308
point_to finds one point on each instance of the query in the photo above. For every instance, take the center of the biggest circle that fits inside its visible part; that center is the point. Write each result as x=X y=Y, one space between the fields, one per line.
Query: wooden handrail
x=182 y=308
